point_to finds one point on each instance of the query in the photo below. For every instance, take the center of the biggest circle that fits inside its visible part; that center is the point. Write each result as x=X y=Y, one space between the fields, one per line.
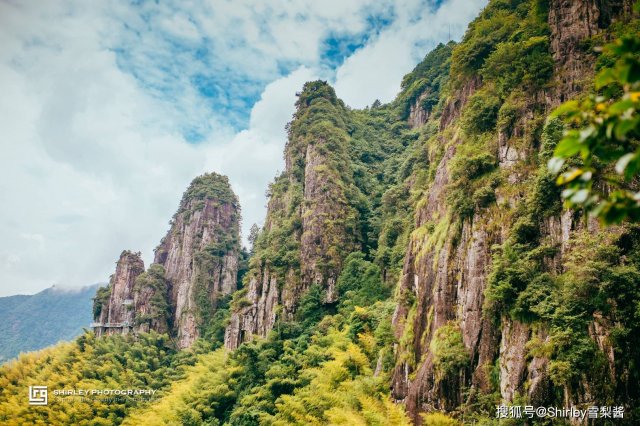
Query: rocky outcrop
x=259 y=316
x=116 y=312
x=150 y=301
x=310 y=225
x=324 y=207
x=571 y=22
x=200 y=254
x=418 y=115
x=195 y=265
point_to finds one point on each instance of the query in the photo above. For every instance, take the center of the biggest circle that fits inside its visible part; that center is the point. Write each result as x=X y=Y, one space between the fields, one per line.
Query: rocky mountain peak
x=310 y=204
x=200 y=254
x=195 y=264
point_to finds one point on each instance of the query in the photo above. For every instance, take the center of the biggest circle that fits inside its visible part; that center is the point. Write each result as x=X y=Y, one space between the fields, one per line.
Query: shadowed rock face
x=418 y=115
x=150 y=301
x=200 y=255
x=119 y=309
x=571 y=22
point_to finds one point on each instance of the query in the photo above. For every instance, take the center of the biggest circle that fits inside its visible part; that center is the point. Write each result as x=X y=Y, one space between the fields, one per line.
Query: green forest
x=493 y=142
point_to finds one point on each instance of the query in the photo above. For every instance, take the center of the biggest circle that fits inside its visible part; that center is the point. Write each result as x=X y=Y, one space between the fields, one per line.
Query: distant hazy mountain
x=33 y=322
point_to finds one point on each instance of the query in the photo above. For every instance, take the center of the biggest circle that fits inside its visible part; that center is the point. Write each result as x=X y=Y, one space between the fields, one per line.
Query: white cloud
x=97 y=97
x=81 y=168
x=376 y=70
x=254 y=155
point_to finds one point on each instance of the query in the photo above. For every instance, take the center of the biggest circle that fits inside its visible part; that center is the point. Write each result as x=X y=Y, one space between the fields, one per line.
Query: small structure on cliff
x=112 y=310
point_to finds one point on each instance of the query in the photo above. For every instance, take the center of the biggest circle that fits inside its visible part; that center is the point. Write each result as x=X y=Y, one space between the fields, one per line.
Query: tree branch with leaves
x=598 y=158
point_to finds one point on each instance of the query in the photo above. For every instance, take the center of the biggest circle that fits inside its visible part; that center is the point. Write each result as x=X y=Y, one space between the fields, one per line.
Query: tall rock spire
x=200 y=254
x=311 y=225
x=195 y=264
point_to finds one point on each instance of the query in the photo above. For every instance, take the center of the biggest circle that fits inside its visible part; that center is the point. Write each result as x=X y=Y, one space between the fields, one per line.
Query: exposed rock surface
x=447 y=273
x=195 y=264
x=116 y=314
x=321 y=208
x=200 y=254
x=314 y=207
x=417 y=114
x=571 y=22
x=150 y=301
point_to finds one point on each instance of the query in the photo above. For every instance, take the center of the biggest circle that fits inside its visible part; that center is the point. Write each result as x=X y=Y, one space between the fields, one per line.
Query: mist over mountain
x=31 y=322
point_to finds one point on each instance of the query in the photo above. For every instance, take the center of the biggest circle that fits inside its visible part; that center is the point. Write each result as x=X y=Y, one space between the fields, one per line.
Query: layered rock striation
x=200 y=254
x=310 y=226
x=572 y=23
x=463 y=249
x=114 y=306
x=195 y=265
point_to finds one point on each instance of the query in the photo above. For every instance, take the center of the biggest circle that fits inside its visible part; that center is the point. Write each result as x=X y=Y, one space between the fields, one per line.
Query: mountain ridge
x=416 y=265
x=22 y=318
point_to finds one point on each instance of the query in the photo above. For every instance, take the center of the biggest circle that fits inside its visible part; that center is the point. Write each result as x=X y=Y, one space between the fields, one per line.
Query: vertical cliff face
x=421 y=88
x=444 y=194
x=571 y=23
x=310 y=226
x=200 y=254
x=150 y=301
x=195 y=265
x=114 y=308
x=489 y=204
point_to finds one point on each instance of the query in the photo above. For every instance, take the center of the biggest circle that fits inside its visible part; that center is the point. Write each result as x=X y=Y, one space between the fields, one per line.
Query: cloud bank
x=109 y=109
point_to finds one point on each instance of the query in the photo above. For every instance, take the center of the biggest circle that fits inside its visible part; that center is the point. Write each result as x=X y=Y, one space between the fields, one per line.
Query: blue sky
x=109 y=109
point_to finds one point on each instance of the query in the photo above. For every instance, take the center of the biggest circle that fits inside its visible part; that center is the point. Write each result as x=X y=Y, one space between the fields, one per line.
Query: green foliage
x=100 y=300
x=111 y=362
x=239 y=300
x=509 y=113
x=330 y=362
x=214 y=330
x=341 y=391
x=360 y=283
x=450 y=355
x=253 y=236
x=210 y=186
x=318 y=373
x=533 y=303
x=438 y=419
x=601 y=143
x=201 y=398
x=153 y=281
x=515 y=64
x=426 y=80
x=378 y=148
x=504 y=29
x=484 y=34
x=314 y=90
x=601 y=278
x=473 y=180
x=29 y=323
x=481 y=112
x=313 y=306
x=551 y=135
